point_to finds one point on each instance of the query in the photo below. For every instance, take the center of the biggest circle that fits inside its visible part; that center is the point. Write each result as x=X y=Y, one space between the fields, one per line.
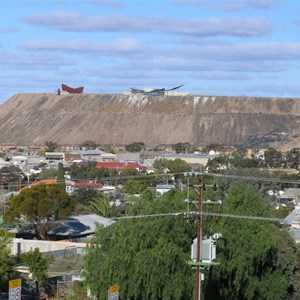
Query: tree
x=61 y=176
x=240 y=174
x=47 y=173
x=182 y=147
x=83 y=195
x=134 y=186
x=174 y=166
x=39 y=205
x=13 y=175
x=178 y=166
x=273 y=158
x=135 y=147
x=160 y=165
x=214 y=147
x=100 y=205
x=146 y=257
x=127 y=171
x=51 y=146
x=89 y=144
x=38 y=266
x=88 y=171
x=293 y=158
x=252 y=264
x=6 y=262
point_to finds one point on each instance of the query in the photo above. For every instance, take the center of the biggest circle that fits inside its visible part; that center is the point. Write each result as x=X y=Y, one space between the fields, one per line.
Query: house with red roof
x=44 y=181
x=72 y=186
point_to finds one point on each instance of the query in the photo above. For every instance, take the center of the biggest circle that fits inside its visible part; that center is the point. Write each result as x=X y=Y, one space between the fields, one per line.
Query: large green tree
x=147 y=257
x=60 y=179
x=39 y=205
x=252 y=259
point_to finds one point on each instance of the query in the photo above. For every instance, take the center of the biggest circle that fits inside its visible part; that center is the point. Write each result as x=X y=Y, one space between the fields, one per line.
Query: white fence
x=19 y=246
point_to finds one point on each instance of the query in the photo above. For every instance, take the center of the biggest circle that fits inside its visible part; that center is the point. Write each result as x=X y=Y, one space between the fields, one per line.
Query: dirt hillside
x=154 y=120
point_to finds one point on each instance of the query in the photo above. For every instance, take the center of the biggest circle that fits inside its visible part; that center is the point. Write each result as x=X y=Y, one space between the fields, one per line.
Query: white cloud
x=247 y=51
x=230 y=5
x=241 y=27
x=122 y=45
x=21 y=60
x=191 y=64
x=5 y=30
x=108 y=3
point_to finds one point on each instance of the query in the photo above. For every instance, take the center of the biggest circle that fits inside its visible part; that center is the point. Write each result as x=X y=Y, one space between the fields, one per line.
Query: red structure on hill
x=65 y=89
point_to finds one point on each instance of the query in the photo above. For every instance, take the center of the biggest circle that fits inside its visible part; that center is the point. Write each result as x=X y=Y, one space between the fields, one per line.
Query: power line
x=195 y=213
x=254 y=178
x=173 y=214
x=148 y=178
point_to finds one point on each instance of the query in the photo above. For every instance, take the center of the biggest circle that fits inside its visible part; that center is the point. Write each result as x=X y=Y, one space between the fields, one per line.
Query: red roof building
x=71 y=187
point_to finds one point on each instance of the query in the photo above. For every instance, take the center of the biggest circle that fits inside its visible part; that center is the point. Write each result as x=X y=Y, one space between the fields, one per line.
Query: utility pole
x=199 y=239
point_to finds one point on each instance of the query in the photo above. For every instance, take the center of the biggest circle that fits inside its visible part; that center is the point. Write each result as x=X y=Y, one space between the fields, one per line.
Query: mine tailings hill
x=155 y=120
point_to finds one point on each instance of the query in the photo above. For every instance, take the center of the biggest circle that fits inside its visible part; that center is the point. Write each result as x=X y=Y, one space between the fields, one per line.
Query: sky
x=212 y=47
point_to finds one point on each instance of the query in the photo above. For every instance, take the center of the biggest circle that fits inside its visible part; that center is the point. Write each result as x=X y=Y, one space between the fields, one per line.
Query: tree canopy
x=61 y=176
x=146 y=257
x=174 y=166
x=252 y=260
x=83 y=195
x=39 y=204
x=38 y=266
x=133 y=186
x=273 y=158
x=51 y=146
x=182 y=147
x=135 y=147
x=127 y=171
x=6 y=262
x=89 y=171
x=47 y=173
x=89 y=144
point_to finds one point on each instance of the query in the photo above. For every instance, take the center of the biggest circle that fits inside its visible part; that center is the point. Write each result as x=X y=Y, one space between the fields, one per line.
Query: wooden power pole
x=199 y=240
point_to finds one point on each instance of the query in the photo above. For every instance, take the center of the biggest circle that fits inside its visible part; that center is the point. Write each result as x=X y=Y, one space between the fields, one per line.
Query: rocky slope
x=122 y=119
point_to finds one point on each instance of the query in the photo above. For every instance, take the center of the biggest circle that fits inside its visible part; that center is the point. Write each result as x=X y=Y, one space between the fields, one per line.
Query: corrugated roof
x=80 y=225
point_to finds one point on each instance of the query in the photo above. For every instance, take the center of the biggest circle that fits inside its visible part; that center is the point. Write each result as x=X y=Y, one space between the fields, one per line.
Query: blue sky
x=213 y=47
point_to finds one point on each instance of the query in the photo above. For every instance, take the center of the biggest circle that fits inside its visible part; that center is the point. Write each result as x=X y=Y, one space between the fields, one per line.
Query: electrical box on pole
x=208 y=253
